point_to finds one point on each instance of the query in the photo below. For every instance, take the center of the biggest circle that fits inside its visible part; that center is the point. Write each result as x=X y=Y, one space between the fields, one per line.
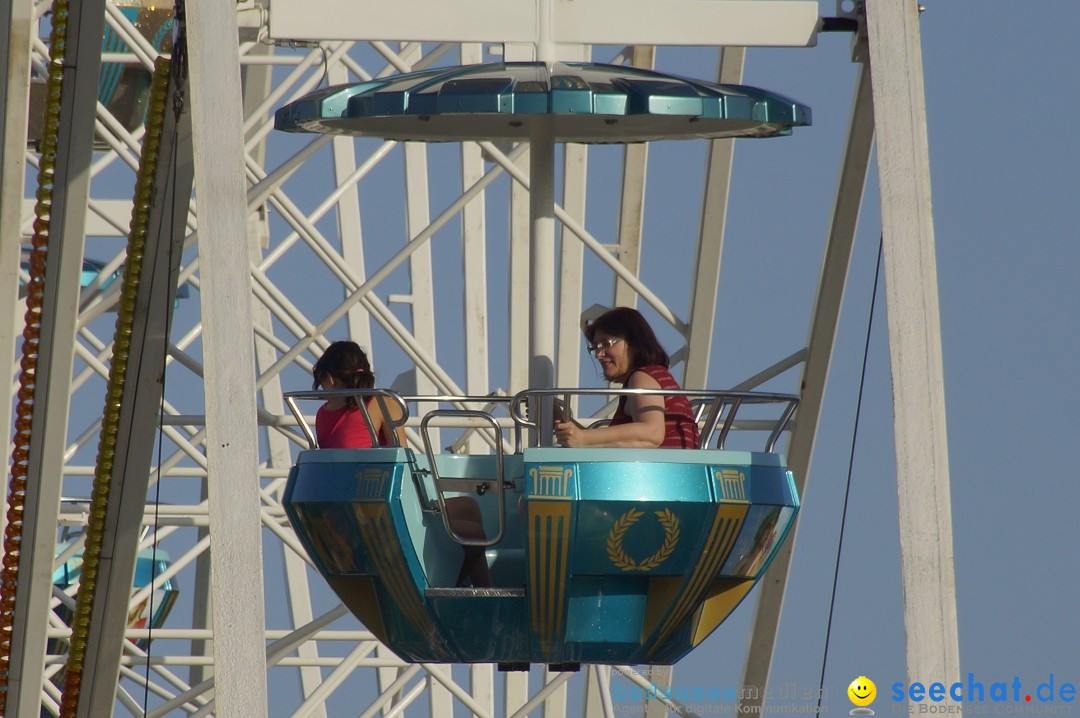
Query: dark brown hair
x=347 y=363
x=628 y=324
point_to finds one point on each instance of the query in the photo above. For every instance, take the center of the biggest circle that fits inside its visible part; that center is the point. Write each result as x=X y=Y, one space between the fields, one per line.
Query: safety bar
x=498 y=480
x=716 y=401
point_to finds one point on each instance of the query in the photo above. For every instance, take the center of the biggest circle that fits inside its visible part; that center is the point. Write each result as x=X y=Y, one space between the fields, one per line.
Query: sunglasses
x=603 y=346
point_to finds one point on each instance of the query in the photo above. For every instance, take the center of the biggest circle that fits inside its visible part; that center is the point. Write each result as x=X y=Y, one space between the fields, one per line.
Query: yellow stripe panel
x=377 y=530
x=724 y=595
x=663 y=591
x=549 y=550
x=726 y=524
x=358 y=595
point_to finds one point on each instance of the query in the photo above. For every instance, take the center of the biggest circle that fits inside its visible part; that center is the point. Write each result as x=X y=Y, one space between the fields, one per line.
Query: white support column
x=572 y=256
x=232 y=445
x=422 y=293
x=571 y=268
x=826 y=316
x=922 y=459
x=632 y=205
x=597 y=685
x=711 y=238
x=482 y=685
x=474 y=259
x=54 y=365
x=555 y=703
x=515 y=691
x=542 y=267
x=659 y=676
x=385 y=675
x=348 y=217
x=440 y=701
x=16 y=25
x=518 y=290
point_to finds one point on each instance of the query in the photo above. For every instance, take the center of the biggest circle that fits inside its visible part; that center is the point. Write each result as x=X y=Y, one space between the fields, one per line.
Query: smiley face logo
x=862 y=691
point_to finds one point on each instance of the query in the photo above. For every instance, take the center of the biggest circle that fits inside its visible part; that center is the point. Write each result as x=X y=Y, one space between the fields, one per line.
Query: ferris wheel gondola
x=596 y=555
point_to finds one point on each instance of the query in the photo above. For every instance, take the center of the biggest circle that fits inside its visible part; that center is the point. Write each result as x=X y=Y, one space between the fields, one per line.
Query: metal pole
x=542 y=265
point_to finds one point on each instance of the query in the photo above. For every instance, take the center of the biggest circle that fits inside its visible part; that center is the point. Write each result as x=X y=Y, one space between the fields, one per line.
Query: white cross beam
x=747 y=23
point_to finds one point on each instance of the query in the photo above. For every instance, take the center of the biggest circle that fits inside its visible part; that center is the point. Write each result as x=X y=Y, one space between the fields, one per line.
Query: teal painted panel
x=606 y=610
x=643 y=538
x=484 y=629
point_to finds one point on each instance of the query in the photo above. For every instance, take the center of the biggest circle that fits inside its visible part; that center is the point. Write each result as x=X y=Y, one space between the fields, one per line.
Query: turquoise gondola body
x=150 y=613
x=608 y=555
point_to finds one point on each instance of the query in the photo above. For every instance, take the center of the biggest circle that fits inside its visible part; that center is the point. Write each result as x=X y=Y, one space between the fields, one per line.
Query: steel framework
x=291 y=242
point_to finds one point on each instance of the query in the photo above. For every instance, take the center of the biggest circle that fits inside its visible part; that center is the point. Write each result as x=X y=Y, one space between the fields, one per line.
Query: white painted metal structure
x=306 y=272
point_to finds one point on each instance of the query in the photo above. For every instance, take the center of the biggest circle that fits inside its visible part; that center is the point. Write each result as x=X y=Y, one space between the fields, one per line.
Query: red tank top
x=344 y=428
x=680 y=429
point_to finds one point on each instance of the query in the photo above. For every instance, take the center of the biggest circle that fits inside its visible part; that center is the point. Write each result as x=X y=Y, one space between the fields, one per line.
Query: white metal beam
x=572 y=259
x=474 y=264
x=922 y=457
x=71 y=186
x=571 y=267
x=518 y=289
x=790 y=23
x=711 y=238
x=632 y=203
x=16 y=24
x=232 y=442
x=422 y=291
x=348 y=215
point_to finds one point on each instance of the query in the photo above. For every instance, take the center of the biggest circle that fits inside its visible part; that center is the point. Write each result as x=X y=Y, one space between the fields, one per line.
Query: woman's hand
x=570 y=434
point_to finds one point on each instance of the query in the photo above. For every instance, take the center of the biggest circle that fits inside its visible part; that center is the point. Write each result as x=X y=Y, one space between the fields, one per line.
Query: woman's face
x=614 y=354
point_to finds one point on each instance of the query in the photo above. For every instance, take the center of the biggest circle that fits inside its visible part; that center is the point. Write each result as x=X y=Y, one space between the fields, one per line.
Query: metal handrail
x=434 y=469
x=717 y=402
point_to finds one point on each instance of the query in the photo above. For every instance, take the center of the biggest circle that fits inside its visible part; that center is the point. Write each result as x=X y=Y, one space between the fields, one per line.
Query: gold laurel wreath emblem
x=623 y=560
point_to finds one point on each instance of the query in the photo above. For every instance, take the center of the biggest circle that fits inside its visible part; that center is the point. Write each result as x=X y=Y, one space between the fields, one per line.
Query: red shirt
x=680 y=429
x=343 y=428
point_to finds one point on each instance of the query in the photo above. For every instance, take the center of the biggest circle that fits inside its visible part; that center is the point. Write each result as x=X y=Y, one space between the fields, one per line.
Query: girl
x=339 y=424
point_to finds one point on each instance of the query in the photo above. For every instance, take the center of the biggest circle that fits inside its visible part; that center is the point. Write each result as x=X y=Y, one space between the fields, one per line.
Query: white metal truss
x=287 y=252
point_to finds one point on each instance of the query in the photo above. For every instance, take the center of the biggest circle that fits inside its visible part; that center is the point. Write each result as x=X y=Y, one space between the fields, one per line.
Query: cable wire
x=851 y=464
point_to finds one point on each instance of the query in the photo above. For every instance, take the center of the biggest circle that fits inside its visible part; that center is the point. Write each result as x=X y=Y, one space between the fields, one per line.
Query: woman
x=339 y=424
x=630 y=354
